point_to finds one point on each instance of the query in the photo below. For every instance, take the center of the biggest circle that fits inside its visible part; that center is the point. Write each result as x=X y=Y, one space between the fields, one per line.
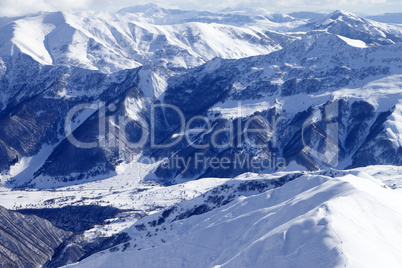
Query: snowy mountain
x=312 y=221
x=358 y=28
x=269 y=138
x=269 y=86
x=388 y=18
x=137 y=36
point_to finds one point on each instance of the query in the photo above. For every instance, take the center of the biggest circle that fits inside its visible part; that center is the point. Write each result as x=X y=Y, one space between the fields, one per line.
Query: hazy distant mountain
x=387 y=18
x=312 y=16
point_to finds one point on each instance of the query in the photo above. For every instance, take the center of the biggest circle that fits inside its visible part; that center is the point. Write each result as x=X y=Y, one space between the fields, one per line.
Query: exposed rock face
x=323 y=93
x=79 y=247
x=27 y=241
x=340 y=62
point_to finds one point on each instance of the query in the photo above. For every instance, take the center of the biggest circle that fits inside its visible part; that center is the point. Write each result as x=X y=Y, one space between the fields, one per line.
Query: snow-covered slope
x=313 y=221
x=295 y=83
x=239 y=17
x=132 y=37
x=296 y=76
x=311 y=70
x=352 y=26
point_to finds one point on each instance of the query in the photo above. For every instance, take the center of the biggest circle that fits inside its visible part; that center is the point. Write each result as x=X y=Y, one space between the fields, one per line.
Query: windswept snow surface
x=293 y=218
x=350 y=220
x=110 y=42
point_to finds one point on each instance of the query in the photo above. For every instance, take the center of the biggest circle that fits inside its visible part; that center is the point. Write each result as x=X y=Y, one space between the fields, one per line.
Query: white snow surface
x=350 y=220
x=110 y=42
x=353 y=42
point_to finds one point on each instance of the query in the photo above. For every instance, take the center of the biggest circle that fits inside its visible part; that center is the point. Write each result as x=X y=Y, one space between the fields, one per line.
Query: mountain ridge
x=267 y=137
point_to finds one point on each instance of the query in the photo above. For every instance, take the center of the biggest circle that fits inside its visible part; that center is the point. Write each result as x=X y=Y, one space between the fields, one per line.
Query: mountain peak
x=341 y=15
x=354 y=27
